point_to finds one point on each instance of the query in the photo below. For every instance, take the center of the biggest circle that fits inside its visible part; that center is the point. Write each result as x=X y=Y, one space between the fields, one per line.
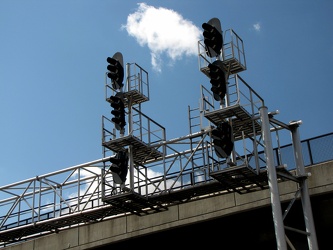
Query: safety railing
x=77 y=189
x=137 y=81
x=233 y=50
x=239 y=93
x=136 y=88
x=146 y=129
x=232 y=54
x=68 y=191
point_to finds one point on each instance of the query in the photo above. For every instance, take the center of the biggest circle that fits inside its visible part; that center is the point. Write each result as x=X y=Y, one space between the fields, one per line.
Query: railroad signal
x=117 y=103
x=213 y=39
x=119 y=167
x=116 y=70
x=218 y=79
x=223 y=140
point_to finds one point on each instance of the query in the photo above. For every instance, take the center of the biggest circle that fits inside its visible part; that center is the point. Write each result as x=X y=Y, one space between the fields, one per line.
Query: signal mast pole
x=272 y=181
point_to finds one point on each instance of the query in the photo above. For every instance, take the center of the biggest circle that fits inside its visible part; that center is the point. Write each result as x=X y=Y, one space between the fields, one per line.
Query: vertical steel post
x=130 y=126
x=272 y=181
x=305 y=197
x=130 y=147
x=232 y=159
x=131 y=166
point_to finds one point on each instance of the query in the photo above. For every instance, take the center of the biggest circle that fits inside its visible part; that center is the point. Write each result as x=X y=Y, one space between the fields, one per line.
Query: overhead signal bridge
x=162 y=172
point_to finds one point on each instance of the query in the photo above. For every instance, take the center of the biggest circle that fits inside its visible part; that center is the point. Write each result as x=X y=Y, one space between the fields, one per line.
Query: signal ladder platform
x=231 y=65
x=141 y=150
x=243 y=179
x=130 y=201
x=242 y=121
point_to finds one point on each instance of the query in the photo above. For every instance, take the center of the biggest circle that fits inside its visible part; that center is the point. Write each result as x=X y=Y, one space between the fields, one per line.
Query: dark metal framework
x=164 y=172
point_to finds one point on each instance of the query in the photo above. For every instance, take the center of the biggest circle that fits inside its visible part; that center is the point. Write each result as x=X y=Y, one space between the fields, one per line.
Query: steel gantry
x=162 y=171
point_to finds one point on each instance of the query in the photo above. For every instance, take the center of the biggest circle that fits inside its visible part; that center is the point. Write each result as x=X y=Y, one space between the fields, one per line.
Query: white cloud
x=164 y=31
x=257 y=27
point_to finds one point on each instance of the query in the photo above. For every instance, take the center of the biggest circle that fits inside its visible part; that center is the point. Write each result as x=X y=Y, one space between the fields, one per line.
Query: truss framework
x=162 y=172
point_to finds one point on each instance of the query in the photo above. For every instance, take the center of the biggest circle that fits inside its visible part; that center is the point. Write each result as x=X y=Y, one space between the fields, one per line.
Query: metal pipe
x=305 y=197
x=272 y=181
x=56 y=172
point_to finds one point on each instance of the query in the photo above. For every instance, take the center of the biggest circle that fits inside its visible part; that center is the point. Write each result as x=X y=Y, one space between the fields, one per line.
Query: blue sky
x=53 y=63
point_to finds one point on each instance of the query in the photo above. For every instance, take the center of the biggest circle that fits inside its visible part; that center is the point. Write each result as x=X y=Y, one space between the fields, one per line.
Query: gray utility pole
x=272 y=181
x=305 y=197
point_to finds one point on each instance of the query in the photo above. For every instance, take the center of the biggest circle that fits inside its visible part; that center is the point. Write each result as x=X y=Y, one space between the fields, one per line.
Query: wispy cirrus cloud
x=164 y=32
